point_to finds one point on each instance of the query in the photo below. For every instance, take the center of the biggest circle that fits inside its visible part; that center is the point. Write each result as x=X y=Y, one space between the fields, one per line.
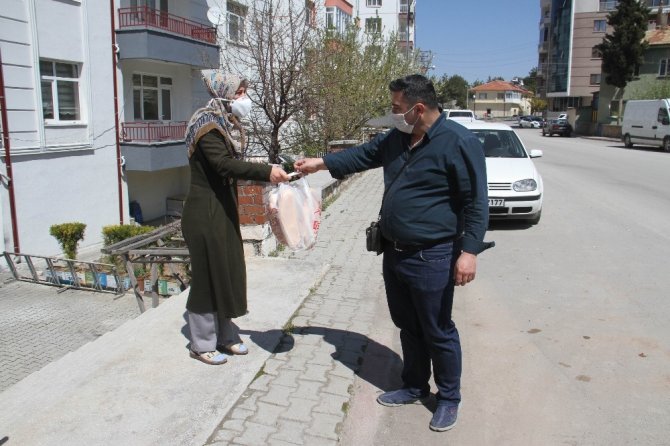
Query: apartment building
x=388 y=17
x=96 y=97
x=60 y=162
x=569 y=66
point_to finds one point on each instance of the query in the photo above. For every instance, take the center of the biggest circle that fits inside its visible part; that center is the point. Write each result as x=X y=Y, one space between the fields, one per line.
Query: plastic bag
x=294 y=212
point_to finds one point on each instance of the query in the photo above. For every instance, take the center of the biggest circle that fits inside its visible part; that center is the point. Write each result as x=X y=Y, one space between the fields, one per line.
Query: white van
x=647 y=123
x=460 y=115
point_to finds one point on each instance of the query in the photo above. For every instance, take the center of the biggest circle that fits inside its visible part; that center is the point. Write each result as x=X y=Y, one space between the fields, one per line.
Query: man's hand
x=309 y=165
x=466 y=267
x=277 y=175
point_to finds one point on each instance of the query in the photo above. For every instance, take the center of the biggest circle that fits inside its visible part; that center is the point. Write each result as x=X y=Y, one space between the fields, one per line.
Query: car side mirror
x=535 y=153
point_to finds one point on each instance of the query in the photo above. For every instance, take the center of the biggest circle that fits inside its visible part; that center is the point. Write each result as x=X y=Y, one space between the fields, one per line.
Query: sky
x=479 y=38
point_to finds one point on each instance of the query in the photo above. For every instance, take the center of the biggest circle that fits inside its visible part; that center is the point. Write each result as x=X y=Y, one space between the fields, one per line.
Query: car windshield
x=500 y=143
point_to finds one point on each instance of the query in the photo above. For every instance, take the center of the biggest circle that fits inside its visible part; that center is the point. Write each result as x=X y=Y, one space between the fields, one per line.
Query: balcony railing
x=608 y=5
x=656 y=3
x=142 y=16
x=148 y=131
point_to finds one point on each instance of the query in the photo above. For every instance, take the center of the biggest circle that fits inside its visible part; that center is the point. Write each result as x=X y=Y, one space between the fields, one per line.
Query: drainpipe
x=8 y=161
x=119 y=172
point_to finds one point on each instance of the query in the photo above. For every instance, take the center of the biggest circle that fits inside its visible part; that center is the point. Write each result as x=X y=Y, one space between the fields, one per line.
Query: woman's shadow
x=369 y=360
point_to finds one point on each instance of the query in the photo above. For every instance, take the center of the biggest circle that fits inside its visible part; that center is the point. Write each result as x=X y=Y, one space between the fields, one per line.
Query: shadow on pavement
x=369 y=360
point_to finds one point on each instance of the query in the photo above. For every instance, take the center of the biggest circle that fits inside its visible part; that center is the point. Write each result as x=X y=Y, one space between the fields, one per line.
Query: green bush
x=68 y=236
x=116 y=233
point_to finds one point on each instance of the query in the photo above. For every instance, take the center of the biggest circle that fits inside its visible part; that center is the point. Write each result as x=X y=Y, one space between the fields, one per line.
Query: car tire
x=666 y=143
x=535 y=220
x=627 y=141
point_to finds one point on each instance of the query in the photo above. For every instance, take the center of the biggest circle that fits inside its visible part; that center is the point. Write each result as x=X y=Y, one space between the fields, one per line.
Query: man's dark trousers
x=420 y=291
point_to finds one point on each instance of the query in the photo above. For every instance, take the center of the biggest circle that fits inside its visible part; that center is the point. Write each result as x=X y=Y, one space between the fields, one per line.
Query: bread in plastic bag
x=294 y=213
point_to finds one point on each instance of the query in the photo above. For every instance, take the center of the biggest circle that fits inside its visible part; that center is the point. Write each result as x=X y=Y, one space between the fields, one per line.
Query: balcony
x=150 y=146
x=543 y=47
x=656 y=3
x=145 y=33
x=152 y=131
x=406 y=13
x=608 y=5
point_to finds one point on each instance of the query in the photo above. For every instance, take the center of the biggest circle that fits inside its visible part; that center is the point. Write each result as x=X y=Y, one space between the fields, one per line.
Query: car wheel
x=535 y=220
x=627 y=141
x=666 y=143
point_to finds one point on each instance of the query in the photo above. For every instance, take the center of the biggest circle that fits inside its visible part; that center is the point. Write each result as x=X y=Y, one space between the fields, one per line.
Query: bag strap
x=379 y=217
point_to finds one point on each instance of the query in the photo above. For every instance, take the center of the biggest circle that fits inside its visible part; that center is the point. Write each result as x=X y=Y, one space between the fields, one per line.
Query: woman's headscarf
x=222 y=87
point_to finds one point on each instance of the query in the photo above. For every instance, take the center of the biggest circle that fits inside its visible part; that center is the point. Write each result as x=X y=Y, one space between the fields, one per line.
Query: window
x=599 y=26
x=595 y=53
x=481 y=96
x=373 y=3
x=152 y=97
x=310 y=13
x=663 y=67
x=595 y=79
x=236 y=15
x=662 y=115
x=501 y=96
x=373 y=25
x=336 y=19
x=60 y=90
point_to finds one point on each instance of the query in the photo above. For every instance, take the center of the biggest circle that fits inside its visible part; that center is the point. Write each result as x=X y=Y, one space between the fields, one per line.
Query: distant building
x=499 y=99
x=388 y=17
x=569 y=74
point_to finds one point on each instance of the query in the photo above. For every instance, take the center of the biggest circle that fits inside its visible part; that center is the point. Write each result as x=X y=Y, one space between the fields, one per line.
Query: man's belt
x=400 y=246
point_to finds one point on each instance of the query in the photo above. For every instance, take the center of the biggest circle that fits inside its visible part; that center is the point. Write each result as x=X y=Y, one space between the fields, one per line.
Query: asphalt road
x=565 y=331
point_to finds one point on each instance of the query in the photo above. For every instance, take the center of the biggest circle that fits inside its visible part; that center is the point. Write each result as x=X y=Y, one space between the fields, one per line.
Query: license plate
x=496 y=203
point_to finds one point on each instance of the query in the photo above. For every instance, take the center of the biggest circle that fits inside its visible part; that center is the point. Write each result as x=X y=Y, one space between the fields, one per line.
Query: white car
x=515 y=185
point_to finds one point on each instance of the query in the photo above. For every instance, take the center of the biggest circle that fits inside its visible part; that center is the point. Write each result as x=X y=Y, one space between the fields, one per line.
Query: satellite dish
x=215 y=16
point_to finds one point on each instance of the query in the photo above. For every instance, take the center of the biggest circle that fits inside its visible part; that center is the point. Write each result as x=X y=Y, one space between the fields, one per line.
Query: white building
x=387 y=17
x=58 y=66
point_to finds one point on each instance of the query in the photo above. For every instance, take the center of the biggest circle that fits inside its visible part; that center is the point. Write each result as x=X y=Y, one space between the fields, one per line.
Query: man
x=433 y=218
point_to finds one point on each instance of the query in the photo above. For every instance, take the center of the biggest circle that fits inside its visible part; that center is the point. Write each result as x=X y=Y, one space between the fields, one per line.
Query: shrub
x=116 y=233
x=68 y=236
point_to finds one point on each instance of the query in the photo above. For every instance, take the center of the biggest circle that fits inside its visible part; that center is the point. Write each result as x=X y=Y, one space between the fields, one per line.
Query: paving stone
x=324 y=425
x=267 y=414
x=332 y=404
x=337 y=386
x=277 y=395
x=289 y=431
x=299 y=410
x=255 y=434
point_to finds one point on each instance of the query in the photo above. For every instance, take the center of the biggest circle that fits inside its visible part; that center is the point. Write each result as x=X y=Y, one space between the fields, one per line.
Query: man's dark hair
x=416 y=88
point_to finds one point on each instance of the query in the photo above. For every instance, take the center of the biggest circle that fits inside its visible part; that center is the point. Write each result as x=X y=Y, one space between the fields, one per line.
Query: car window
x=455 y=114
x=500 y=143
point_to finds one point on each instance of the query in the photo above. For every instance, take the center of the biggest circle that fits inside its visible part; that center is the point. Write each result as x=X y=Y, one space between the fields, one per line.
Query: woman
x=210 y=221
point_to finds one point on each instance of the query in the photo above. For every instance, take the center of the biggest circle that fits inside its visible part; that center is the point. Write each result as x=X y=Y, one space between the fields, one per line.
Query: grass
x=328 y=201
x=260 y=373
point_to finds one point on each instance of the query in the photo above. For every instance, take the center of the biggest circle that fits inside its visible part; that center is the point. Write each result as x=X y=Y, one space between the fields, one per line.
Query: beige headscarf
x=222 y=87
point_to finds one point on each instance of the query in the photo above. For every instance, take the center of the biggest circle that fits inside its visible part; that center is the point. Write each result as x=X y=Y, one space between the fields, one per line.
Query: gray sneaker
x=444 y=418
x=401 y=397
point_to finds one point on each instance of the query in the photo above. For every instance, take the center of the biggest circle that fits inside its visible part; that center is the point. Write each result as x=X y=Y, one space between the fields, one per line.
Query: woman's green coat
x=211 y=228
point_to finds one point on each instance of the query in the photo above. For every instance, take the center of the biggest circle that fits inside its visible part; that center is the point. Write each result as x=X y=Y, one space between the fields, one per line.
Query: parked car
x=648 y=123
x=534 y=122
x=557 y=127
x=514 y=184
x=460 y=115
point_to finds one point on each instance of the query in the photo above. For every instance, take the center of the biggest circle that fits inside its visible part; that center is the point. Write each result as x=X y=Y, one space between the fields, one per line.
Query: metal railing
x=142 y=16
x=147 y=131
x=608 y=5
x=69 y=273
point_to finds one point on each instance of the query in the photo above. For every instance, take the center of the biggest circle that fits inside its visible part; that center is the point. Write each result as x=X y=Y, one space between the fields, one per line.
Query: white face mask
x=401 y=124
x=241 y=107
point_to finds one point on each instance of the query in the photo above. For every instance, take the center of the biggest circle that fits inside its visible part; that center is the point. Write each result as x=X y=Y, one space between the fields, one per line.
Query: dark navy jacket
x=441 y=192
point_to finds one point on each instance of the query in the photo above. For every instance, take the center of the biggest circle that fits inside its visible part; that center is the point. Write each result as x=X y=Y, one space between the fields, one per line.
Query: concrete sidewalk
x=137 y=384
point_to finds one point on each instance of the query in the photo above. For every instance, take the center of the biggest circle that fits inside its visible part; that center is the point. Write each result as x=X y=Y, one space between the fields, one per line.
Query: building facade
x=97 y=97
x=570 y=74
x=59 y=123
x=388 y=17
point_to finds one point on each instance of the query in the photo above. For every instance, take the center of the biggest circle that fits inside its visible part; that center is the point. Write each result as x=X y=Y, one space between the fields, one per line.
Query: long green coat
x=211 y=227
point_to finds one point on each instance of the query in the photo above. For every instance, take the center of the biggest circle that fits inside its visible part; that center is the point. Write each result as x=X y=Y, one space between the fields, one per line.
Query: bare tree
x=348 y=76
x=269 y=50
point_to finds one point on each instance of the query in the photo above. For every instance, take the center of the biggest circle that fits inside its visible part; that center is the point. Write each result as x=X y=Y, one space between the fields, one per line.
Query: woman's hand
x=277 y=175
